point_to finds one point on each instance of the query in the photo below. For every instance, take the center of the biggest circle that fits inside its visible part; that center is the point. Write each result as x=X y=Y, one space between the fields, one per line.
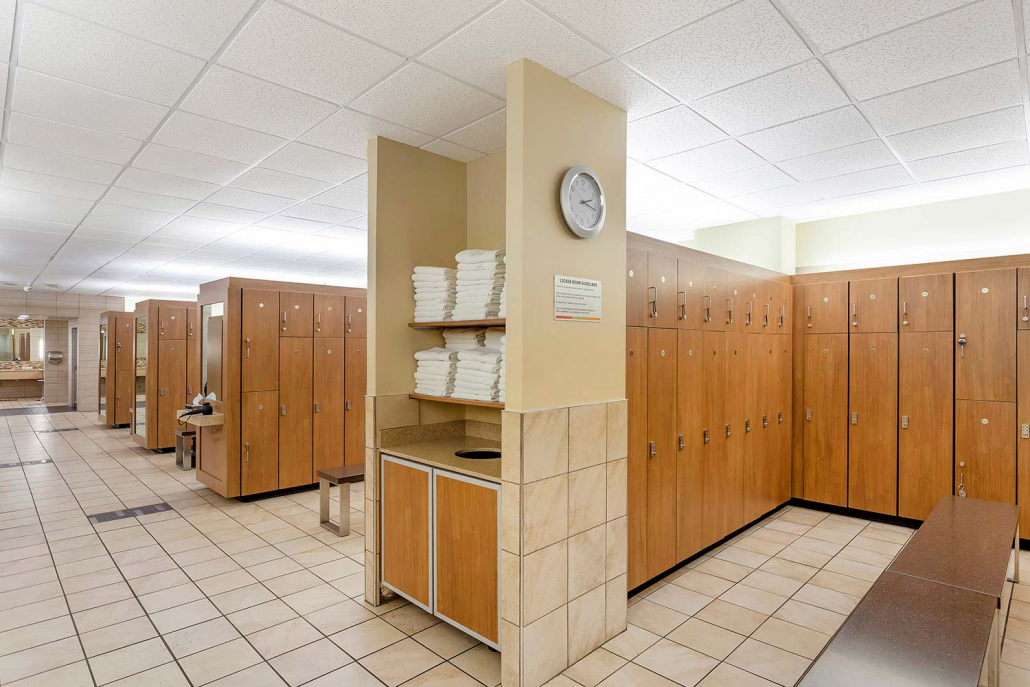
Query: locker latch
x=1026 y=311
x=765 y=321
x=904 y=421
x=854 y=418
x=708 y=308
x=962 y=344
x=765 y=421
x=683 y=304
x=161 y=392
x=961 y=484
x=347 y=405
x=246 y=445
x=854 y=314
x=809 y=325
x=779 y=417
x=728 y=432
x=654 y=301
x=808 y=414
x=750 y=309
x=1024 y=431
x=782 y=311
x=706 y=437
x=318 y=407
x=282 y=410
x=683 y=444
x=747 y=426
x=652 y=449
x=729 y=311
x=247 y=341
x=904 y=313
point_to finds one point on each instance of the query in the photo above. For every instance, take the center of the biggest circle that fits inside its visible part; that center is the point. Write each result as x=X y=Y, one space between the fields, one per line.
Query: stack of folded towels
x=435 y=370
x=500 y=382
x=478 y=375
x=480 y=281
x=502 y=312
x=435 y=293
x=463 y=339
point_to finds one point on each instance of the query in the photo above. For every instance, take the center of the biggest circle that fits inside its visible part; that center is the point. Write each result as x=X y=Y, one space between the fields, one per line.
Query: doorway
x=73 y=380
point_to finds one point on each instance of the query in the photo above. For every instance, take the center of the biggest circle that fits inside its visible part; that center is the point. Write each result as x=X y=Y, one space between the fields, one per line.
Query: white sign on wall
x=577 y=299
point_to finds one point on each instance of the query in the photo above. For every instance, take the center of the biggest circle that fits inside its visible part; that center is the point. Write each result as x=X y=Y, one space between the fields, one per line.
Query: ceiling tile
x=785 y=196
x=345 y=233
x=863 y=182
x=419 y=97
x=128 y=214
x=811 y=135
x=315 y=163
x=860 y=203
x=739 y=43
x=853 y=158
x=668 y=132
x=358 y=223
x=982 y=183
x=972 y=132
x=294 y=224
x=121 y=224
x=6 y=27
x=58 y=186
x=42 y=207
x=291 y=49
x=204 y=227
x=147 y=201
x=109 y=234
x=277 y=183
x=686 y=220
x=321 y=213
x=36 y=225
x=165 y=184
x=452 y=150
x=184 y=163
x=649 y=191
x=348 y=132
x=481 y=52
x=59 y=164
x=997 y=156
x=488 y=135
x=358 y=182
x=968 y=38
x=69 y=48
x=712 y=160
x=73 y=140
x=788 y=95
x=619 y=85
x=343 y=197
x=249 y=200
x=188 y=131
x=225 y=213
x=748 y=181
x=95 y=248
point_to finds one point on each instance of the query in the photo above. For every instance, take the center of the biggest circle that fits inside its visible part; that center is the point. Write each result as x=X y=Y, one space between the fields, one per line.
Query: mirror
x=211 y=350
x=103 y=371
x=141 y=376
x=21 y=344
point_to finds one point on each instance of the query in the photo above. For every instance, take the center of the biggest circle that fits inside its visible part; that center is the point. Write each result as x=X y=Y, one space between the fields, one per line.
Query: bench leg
x=178 y=452
x=994 y=652
x=344 y=529
x=1015 y=564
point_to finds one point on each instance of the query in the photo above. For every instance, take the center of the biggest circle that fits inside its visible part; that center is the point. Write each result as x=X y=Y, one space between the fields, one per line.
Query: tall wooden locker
x=636 y=462
x=297 y=314
x=356 y=318
x=355 y=375
x=826 y=418
x=1023 y=298
x=171 y=320
x=259 y=437
x=662 y=349
x=985 y=450
x=825 y=308
x=985 y=335
x=926 y=410
x=192 y=370
x=926 y=303
x=739 y=384
x=638 y=310
x=330 y=313
x=714 y=467
x=295 y=411
x=745 y=294
x=759 y=459
x=782 y=310
x=689 y=282
x=714 y=303
x=873 y=305
x=873 y=428
x=661 y=291
x=192 y=331
x=171 y=383
x=1023 y=420
x=328 y=397
x=690 y=497
x=780 y=418
x=260 y=333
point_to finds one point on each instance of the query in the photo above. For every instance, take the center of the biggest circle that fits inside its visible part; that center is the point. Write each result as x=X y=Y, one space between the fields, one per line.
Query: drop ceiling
x=152 y=145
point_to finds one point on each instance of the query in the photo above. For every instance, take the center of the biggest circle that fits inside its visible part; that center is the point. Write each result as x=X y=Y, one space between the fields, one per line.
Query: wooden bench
x=341 y=477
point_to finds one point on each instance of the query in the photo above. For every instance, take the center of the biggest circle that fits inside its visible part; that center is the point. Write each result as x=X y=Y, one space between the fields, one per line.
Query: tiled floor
x=219 y=592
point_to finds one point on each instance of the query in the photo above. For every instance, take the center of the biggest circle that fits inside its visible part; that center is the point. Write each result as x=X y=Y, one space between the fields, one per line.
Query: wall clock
x=582 y=202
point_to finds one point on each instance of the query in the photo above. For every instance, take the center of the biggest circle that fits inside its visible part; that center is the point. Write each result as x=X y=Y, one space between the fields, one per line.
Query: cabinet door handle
x=854 y=418
x=808 y=414
x=783 y=310
x=962 y=345
x=652 y=449
x=683 y=304
x=765 y=322
x=809 y=325
x=347 y=405
x=653 y=301
x=962 y=485
x=318 y=407
x=161 y=391
x=318 y=322
x=247 y=341
x=284 y=320
x=904 y=313
x=750 y=309
x=1026 y=312
x=682 y=443
x=706 y=438
x=349 y=328
x=282 y=410
x=189 y=390
x=162 y=326
x=246 y=445
x=854 y=314
x=729 y=311
x=708 y=308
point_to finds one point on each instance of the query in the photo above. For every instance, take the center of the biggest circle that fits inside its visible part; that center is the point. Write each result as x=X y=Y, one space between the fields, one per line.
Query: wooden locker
x=355 y=373
x=260 y=333
x=171 y=388
x=662 y=349
x=297 y=314
x=328 y=419
x=259 y=436
x=125 y=347
x=745 y=317
x=757 y=465
x=734 y=432
x=1023 y=298
x=192 y=370
x=689 y=283
x=782 y=310
x=826 y=308
x=715 y=471
x=356 y=324
x=1023 y=432
x=330 y=314
x=714 y=300
x=295 y=411
x=636 y=462
x=124 y=394
x=192 y=332
x=985 y=364
x=661 y=291
x=826 y=419
x=873 y=428
x=764 y=318
x=690 y=497
x=780 y=419
x=171 y=321
x=926 y=409
x=926 y=303
x=874 y=305
x=985 y=450
x=638 y=310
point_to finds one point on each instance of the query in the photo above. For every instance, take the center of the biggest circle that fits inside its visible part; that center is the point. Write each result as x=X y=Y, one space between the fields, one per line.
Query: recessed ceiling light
x=23 y=317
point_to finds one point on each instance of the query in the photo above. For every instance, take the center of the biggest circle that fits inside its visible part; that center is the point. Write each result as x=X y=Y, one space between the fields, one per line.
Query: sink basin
x=479 y=453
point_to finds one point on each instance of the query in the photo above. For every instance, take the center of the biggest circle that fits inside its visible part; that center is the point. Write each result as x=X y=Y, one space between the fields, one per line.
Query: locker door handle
x=962 y=484
x=349 y=319
x=284 y=320
x=318 y=407
x=682 y=443
x=729 y=311
x=708 y=309
x=854 y=418
x=765 y=321
x=904 y=313
x=653 y=301
x=962 y=345
x=765 y=421
x=808 y=414
x=246 y=445
x=706 y=438
x=318 y=322
x=652 y=449
x=854 y=314
x=779 y=417
x=161 y=392
x=904 y=421
x=747 y=426
x=348 y=405
x=118 y=346
x=728 y=432
x=683 y=304
x=809 y=325
x=247 y=341
x=282 y=410
x=162 y=326
x=750 y=309
x=1026 y=311
x=189 y=390
x=782 y=311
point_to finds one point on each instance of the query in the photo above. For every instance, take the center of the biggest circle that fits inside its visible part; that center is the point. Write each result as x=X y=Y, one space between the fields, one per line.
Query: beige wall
x=486 y=188
x=767 y=242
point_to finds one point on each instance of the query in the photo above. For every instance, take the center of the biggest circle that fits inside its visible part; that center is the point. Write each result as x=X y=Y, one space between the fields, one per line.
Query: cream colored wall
x=767 y=242
x=486 y=189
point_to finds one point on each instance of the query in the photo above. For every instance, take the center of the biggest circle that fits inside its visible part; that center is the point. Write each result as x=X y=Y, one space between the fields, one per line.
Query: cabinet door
x=327 y=421
x=171 y=322
x=780 y=419
x=638 y=310
x=826 y=308
x=1023 y=298
x=330 y=314
x=745 y=300
x=757 y=465
x=784 y=296
x=297 y=314
x=926 y=302
x=826 y=419
x=926 y=407
x=356 y=325
x=764 y=316
x=260 y=332
x=873 y=432
x=874 y=305
x=124 y=395
x=125 y=346
x=661 y=291
x=259 y=436
x=735 y=432
x=662 y=350
x=714 y=300
x=295 y=411
x=985 y=450
x=354 y=402
x=171 y=388
x=1023 y=413
x=690 y=497
x=406 y=536
x=985 y=366
x=192 y=370
x=713 y=412
x=636 y=462
x=467 y=522
x=191 y=323
x=689 y=279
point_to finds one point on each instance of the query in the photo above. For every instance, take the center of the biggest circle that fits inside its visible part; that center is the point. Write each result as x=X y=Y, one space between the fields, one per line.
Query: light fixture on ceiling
x=25 y=315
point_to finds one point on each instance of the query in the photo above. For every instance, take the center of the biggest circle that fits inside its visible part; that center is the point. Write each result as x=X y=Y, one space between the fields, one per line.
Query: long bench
x=936 y=612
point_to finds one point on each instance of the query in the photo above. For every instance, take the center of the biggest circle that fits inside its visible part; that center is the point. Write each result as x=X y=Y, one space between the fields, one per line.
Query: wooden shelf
x=458 y=401
x=455 y=324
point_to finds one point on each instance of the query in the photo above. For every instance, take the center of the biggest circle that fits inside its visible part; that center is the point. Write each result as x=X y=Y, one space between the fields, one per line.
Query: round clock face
x=582 y=202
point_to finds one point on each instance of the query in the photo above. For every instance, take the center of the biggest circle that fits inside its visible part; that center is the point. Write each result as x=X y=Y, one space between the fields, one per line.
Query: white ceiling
x=151 y=145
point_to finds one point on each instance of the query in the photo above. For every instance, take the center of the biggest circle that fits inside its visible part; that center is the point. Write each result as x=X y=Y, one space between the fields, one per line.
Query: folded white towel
x=464 y=334
x=436 y=353
x=483 y=355
x=475 y=313
x=479 y=255
x=442 y=392
x=494 y=337
x=466 y=267
x=439 y=367
x=477 y=278
x=426 y=269
x=432 y=279
x=480 y=378
x=481 y=367
x=434 y=287
x=476 y=396
x=427 y=312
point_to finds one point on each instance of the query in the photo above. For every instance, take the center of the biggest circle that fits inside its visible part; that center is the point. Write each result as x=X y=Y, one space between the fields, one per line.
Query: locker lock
x=728 y=432
x=765 y=421
x=779 y=417
x=1024 y=431
x=682 y=444
x=707 y=438
x=747 y=426
x=904 y=421
x=808 y=414
x=962 y=344
x=652 y=449
x=854 y=418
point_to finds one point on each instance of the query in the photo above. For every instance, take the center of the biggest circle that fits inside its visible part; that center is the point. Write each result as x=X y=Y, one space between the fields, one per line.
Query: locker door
x=757 y=474
x=689 y=313
x=124 y=394
x=259 y=433
x=985 y=450
x=926 y=302
x=191 y=322
x=713 y=463
x=662 y=348
x=125 y=347
x=171 y=388
x=661 y=291
x=327 y=421
x=690 y=498
x=713 y=300
x=874 y=305
x=764 y=316
x=1023 y=412
x=330 y=313
x=192 y=370
x=745 y=317
x=260 y=332
x=826 y=308
x=356 y=324
x=784 y=296
x=926 y=408
x=1023 y=298
x=738 y=382
x=297 y=316
x=780 y=419
x=985 y=365
x=826 y=419
x=638 y=310
x=636 y=463
x=354 y=401
x=171 y=322
x=295 y=411
x=873 y=431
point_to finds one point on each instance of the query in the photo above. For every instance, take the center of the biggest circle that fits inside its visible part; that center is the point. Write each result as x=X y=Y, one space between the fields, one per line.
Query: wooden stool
x=341 y=477
x=181 y=437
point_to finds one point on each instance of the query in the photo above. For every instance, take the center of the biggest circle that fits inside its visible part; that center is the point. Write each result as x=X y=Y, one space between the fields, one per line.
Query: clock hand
x=587 y=203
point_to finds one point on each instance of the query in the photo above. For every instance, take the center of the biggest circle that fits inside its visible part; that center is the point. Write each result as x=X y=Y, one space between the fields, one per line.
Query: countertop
x=439 y=453
x=21 y=374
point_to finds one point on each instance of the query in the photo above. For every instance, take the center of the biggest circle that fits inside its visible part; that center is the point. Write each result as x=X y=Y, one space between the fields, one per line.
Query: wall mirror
x=211 y=350
x=21 y=344
x=103 y=371
x=141 y=376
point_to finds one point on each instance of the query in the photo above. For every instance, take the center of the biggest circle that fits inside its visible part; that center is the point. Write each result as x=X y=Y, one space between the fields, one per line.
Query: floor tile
x=309 y=662
x=709 y=639
x=196 y=638
x=593 y=668
x=352 y=675
x=400 y=662
x=39 y=659
x=72 y=675
x=482 y=663
x=129 y=660
x=631 y=643
x=368 y=637
x=676 y=662
x=183 y=616
x=410 y=619
x=790 y=637
x=754 y=599
x=812 y=617
x=13 y=641
x=680 y=599
x=117 y=636
x=731 y=617
x=445 y=640
x=259 y=675
x=776 y=665
x=633 y=675
x=827 y=598
x=703 y=583
x=341 y=616
x=726 y=675
x=278 y=639
x=217 y=662
x=167 y=675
